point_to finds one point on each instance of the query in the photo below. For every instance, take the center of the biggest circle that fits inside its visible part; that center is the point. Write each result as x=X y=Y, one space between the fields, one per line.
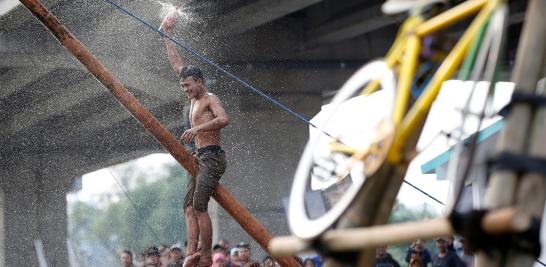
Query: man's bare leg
x=205 y=238
x=192 y=234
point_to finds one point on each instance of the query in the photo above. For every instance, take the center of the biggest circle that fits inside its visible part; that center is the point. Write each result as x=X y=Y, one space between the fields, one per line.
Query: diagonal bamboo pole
x=254 y=228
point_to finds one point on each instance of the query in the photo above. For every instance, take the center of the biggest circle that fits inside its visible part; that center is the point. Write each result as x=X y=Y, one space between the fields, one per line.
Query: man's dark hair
x=218 y=246
x=152 y=251
x=267 y=258
x=127 y=252
x=191 y=71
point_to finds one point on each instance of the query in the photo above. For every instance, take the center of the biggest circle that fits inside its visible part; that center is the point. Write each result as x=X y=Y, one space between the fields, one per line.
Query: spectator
x=224 y=243
x=152 y=257
x=445 y=257
x=126 y=258
x=234 y=259
x=318 y=260
x=244 y=254
x=384 y=259
x=309 y=263
x=268 y=261
x=418 y=247
x=219 y=249
x=218 y=259
x=175 y=257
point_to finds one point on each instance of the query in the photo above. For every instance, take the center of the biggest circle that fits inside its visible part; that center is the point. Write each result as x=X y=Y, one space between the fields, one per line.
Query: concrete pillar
x=34 y=208
x=2 y=234
x=21 y=216
x=53 y=221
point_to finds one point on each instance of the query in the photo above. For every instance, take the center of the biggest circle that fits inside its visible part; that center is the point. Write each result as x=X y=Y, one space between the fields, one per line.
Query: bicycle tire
x=300 y=223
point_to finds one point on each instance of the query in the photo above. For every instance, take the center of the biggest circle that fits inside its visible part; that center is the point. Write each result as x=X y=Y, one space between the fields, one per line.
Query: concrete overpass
x=58 y=123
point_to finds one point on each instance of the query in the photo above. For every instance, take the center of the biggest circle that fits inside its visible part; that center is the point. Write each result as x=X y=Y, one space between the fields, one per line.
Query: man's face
x=220 y=250
x=269 y=263
x=380 y=252
x=165 y=257
x=224 y=243
x=125 y=259
x=191 y=86
x=245 y=253
x=235 y=257
x=419 y=245
x=152 y=260
x=441 y=245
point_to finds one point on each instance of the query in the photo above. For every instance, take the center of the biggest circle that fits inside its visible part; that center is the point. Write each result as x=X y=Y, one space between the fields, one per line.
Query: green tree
x=152 y=216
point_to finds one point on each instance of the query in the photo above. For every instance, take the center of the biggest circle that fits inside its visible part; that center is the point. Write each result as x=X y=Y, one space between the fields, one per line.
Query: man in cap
x=244 y=254
x=445 y=257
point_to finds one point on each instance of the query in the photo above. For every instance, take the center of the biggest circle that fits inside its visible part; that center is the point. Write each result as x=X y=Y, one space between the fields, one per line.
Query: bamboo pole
x=256 y=230
x=530 y=194
x=506 y=220
x=528 y=68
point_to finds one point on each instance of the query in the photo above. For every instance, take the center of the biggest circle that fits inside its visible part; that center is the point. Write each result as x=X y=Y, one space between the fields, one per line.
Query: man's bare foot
x=192 y=260
x=205 y=260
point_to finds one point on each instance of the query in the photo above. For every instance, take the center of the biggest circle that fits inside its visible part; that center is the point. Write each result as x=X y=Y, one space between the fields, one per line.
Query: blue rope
x=425 y=193
x=212 y=63
x=242 y=82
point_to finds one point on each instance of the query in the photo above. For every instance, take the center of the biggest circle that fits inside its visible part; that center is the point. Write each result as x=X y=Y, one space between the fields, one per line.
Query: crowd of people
x=447 y=255
x=417 y=255
x=222 y=256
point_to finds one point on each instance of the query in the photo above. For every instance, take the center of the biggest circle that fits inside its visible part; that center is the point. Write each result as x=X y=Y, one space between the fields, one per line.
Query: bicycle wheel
x=327 y=179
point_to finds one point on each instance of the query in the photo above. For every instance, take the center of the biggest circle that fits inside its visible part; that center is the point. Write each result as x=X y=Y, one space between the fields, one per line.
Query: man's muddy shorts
x=212 y=164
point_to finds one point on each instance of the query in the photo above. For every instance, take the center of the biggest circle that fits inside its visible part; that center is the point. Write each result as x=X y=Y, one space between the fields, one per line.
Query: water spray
x=172 y=11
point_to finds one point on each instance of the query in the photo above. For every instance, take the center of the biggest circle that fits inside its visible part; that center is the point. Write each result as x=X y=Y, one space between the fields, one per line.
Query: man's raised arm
x=167 y=26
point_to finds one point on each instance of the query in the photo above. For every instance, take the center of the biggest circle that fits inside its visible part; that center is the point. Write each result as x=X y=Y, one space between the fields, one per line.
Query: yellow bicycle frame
x=404 y=55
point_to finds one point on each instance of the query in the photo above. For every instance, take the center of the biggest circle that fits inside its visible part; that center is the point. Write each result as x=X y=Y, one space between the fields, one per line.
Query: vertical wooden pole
x=503 y=189
x=254 y=228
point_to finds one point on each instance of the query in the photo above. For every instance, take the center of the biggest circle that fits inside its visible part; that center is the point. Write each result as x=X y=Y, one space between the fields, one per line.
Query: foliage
x=120 y=225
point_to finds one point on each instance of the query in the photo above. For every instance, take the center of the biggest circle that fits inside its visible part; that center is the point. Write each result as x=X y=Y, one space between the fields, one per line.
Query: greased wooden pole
x=254 y=228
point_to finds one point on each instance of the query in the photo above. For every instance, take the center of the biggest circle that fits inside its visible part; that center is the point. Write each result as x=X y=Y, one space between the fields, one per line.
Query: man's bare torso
x=201 y=113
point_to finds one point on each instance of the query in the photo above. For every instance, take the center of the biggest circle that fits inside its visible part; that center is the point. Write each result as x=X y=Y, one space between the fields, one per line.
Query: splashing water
x=179 y=11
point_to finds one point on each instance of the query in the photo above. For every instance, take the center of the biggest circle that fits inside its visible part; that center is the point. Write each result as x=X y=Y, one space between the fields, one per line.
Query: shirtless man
x=207 y=117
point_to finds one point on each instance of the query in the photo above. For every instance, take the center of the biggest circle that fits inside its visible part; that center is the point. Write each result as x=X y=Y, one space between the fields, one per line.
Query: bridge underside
x=59 y=123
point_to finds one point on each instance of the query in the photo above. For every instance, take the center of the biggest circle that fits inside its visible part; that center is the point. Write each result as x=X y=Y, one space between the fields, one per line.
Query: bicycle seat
x=392 y=7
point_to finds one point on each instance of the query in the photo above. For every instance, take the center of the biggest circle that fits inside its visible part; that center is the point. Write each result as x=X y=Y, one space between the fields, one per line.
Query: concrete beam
x=352 y=25
x=57 y=105
x=106 y=119
x=131 y=76
x=258 y=13
x=20 y=15
x=18 y=78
